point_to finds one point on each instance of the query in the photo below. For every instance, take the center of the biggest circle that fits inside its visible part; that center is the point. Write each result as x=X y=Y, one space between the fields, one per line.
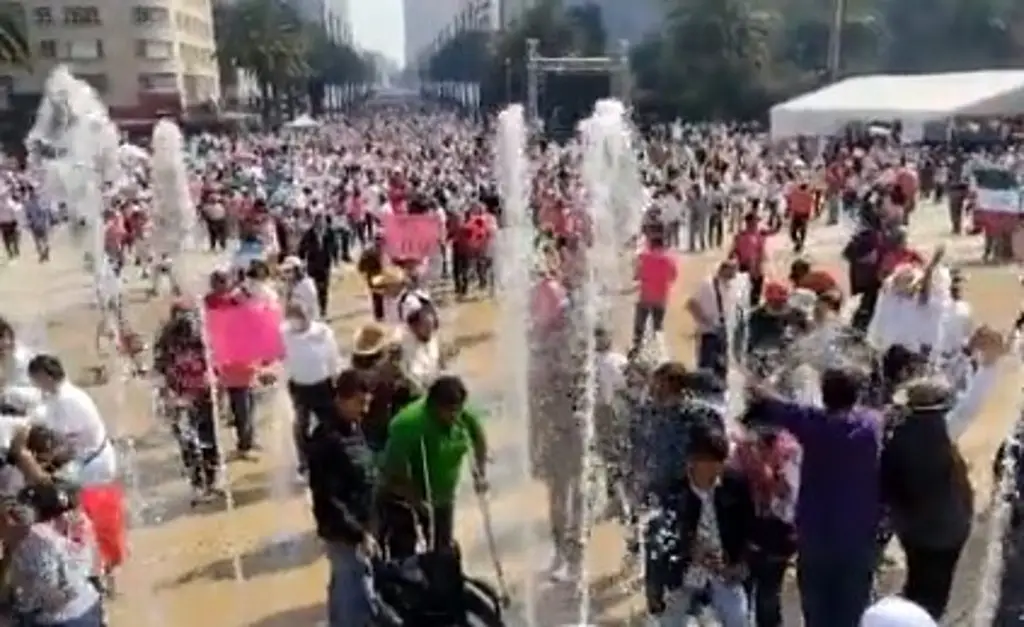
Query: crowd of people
x=850 y=414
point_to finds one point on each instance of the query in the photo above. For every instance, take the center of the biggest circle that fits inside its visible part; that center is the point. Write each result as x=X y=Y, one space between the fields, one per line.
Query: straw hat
x=291 y=262
x=372 y=339
x=928 y=393
x=388 y=277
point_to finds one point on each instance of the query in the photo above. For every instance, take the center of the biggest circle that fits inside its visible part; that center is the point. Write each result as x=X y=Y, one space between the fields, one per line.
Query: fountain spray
x=613 y=191
x=515 y=246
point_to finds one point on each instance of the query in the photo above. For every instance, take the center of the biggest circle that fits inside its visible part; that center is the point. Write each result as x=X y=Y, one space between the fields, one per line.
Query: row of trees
x=730 y=59
x=290 y=59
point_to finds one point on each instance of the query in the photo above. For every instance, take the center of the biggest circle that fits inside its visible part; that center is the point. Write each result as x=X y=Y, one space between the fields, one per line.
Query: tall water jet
x=75 y=143
x=613 y=193
x=174 y=214
x=990 y=584
x=515 y=248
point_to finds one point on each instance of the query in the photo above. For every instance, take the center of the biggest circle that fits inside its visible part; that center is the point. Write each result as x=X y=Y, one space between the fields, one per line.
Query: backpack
x=431 y=590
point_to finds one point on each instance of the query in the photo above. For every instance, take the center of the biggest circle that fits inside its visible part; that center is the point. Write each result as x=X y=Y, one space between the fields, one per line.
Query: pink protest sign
x=411 y=237
x=247 y=333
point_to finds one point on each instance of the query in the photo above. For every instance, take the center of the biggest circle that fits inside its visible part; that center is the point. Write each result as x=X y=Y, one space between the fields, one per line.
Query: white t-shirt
x=733 y=295
x=303 y=293
x=71 y=412
x=421 y=360
x=310 y=356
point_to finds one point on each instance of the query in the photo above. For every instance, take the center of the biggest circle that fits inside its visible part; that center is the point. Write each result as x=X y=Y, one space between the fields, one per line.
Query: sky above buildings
x=377 y=25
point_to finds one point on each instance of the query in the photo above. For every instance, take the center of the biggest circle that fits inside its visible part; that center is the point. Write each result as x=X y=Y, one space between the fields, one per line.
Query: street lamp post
x=508 y=80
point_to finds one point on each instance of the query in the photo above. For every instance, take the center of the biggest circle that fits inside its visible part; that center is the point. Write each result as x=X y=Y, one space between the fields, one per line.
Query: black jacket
x=342 y=479
x=670 y=534
x=925 y=483
x=318 y=252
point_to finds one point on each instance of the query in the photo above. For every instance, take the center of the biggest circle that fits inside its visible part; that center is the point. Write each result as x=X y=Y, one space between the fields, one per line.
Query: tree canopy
x=734 y=58
x=284 y=53
x=14 y=46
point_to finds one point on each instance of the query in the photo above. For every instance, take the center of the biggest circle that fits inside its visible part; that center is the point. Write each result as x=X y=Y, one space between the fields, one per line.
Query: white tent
x=913 y=99
x=303 y=121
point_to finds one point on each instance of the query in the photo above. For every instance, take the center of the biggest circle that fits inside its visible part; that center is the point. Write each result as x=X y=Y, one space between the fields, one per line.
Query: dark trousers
x=461 y=265
x=713 y=353
x=377 y=304
x=835 y=586
x=309 y=401
x=798 y=232
x=716 y=229
x=323 y=291
x=242 y=405
x=766 y=575
x=11 y=235
x=865 y=308
x=217 y=230
x=930 y=576
x=756 y=287
x=196 y=435
x=643 y=313
x=400 y=526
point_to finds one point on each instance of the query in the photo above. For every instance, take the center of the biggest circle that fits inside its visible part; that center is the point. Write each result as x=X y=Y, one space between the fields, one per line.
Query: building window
x=154 y=50
x=158 y=81
x=99 y=82
x=150 y=15
x=48 y=49
x=82 y=16
x=43 y=16
x=83 y=50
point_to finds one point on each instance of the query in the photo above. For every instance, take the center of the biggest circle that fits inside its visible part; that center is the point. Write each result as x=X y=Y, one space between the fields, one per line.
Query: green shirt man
x=430 y=438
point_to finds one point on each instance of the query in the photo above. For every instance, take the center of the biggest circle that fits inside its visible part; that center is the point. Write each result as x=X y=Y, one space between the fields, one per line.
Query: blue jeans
x=93 y=617
x=350 y=594
x=835 y=588
x=728 y=600
x=241 y=403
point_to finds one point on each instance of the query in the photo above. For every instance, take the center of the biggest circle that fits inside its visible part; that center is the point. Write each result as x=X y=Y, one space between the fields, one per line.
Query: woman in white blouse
x=299 y=287
x=423 y=359
x=71 y=413
x=311 y=361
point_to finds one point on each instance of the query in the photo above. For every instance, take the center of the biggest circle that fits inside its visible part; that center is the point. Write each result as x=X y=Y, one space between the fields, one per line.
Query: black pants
x=930 y=576
x=716 y=229
x=713 y=353
x=196 y=434
x=217 y=230
x=865 y=308
x=11 y=235
x=377 y=304
x=461 y=264
x=766 y=574
x=309 y=401
x=323 y=291
x=400 y=526
x=798 y=232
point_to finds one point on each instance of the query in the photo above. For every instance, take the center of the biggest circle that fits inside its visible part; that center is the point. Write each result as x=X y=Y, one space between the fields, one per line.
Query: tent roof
x=949 y=92
x=912 y=98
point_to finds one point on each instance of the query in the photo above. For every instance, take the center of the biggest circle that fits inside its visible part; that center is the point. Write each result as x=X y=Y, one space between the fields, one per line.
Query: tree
x=331 y=63
x=266 y=39
x=14 y=46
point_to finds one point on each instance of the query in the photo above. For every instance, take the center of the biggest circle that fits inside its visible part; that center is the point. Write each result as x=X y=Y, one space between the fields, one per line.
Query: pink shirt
x=549 y=303
x=656 y=271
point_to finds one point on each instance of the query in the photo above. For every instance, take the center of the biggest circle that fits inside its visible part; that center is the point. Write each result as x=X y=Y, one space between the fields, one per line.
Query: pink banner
x=411 y=237
x=248 y=333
